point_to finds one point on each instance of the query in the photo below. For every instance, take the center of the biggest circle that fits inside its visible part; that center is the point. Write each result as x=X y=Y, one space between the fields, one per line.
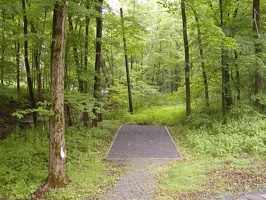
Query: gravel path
x=136 y=141
x=139 y=183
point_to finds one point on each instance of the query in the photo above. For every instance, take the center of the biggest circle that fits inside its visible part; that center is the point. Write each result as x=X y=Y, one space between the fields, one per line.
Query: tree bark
x=17 y=49
x=86 y=116
x=85 y=85
x=127 y=67
x=226 y=92
x=258 y=50
x=187 y=63
x=105 y=73
x=237 y=77
x=203 y=67
x=37 y=55
x=37 y=62
x=3 y=49
x=97 y=80
x=57 y=177
x=27 y=64
x=76 y=54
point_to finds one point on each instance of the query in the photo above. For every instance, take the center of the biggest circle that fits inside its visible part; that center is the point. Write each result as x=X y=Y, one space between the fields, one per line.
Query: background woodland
x=197 y=66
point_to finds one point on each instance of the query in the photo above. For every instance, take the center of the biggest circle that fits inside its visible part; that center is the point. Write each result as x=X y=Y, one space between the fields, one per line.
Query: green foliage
x=24 y=162
x=146 y=100
x=42 y=110
x=244 y=133
x=80 y=102
x=8 y=94
x=163 y=115
x=261 y=97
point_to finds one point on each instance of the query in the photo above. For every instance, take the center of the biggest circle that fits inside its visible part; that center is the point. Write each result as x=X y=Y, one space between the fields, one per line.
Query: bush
x=246 y=135
x=165 y=115
x=23 y=164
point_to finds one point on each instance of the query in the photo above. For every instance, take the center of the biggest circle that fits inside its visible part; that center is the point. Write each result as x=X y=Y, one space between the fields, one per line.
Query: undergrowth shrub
x=245 y=135
x=24 y=162
x=8 y=93
x=117 y=108
x=164 y=115
x=23 y=165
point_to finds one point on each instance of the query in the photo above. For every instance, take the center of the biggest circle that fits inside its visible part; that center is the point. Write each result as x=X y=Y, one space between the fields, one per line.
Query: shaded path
x=145 y=150
x=140 y=183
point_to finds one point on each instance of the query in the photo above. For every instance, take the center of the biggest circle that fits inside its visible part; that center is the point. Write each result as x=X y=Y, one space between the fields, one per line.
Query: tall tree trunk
x=37 y=62
x=187 y=63
x=86 y=116
x=27 y=64
x=76 y=54
x=126 y=62
x=57 y=177
x=86 y=45
x=97 y=80
x=237 y=77
x=111 y=64
x=105 y=73
x=17 y=49
x=258 y=50
x=37 y=55
x=226 y=92
x=203 y=67
x=3 y=49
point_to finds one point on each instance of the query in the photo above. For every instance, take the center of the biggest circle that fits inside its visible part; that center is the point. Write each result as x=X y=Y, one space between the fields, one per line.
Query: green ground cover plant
x=157 y=115
x=24 y=160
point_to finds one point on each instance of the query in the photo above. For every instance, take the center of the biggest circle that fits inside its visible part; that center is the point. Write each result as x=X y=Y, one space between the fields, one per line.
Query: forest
x=73 y=71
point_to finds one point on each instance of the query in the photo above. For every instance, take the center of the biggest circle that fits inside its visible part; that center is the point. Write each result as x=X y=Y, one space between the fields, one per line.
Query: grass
x=207 y=178
x=24 y=161
x=157 y=115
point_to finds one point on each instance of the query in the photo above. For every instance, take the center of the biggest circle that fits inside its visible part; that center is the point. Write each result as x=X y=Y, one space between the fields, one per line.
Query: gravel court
x=143 y=142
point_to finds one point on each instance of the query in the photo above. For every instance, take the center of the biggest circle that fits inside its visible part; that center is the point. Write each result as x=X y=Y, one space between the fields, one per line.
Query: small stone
x=263 y=195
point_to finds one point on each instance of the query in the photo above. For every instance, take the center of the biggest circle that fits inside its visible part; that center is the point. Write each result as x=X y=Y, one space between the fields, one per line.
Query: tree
x=57 y=176
x=202 y=60
x=27 y=64
x=258 y=50
x=126 y=63
x=226 y=93
x=187 y=63
x=97 y=62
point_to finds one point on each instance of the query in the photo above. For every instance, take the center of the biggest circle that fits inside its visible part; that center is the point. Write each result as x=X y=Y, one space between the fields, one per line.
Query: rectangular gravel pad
x=143 y=142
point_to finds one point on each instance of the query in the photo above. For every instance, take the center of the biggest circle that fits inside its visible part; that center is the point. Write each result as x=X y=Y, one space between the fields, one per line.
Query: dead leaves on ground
x=230 y=179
